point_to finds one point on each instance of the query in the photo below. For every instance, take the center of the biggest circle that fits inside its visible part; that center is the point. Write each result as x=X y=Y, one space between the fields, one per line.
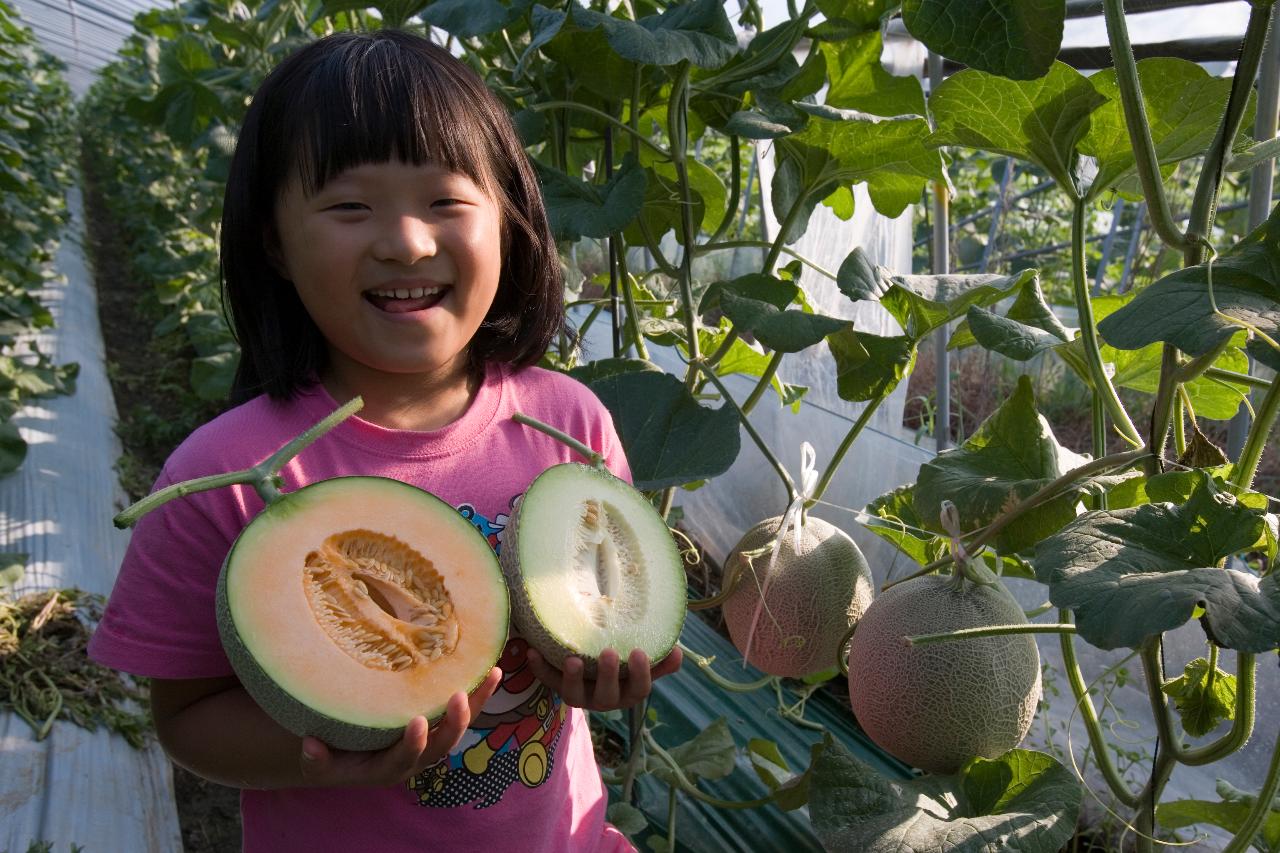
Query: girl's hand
x=606 y=692
x=323 y=766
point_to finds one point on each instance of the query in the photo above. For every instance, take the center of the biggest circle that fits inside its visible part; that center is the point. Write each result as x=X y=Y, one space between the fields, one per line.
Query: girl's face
x=397 y=265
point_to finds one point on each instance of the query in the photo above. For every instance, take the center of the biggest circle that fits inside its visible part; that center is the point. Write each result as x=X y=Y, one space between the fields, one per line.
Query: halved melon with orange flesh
x=354 y=604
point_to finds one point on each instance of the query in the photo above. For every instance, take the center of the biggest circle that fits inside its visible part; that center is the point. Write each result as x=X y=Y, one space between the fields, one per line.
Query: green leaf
x=844 y=147
x=1253 y=155
x=709 y=754
x=469 y=18
x=754 y=286
x=662 y=202
x=1029 y=309
x=578 y=209
x=1139 y=369
x=212 y=375
x=1201 y=706
x=898 y=507
x=1040 y=121
x=1007 y=337
x=862 y=14
x=1131 y=574
x=860 y=82
x=1017 y=39
x=783 y=331
x=12 y=569
x=1228 y=815
x=1177 y=308
x=13 y=448
x=1011 y=456
x=1183 y=106
x=869 y=366
x=790 y=791
x=603 y=368
x=1023 y=801
x=627 y=818
x=668 y=437
x=698 y=32
x=922 y=303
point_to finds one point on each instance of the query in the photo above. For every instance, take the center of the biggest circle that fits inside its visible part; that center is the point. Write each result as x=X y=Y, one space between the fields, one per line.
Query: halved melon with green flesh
x=354 y=604
x=591 y=566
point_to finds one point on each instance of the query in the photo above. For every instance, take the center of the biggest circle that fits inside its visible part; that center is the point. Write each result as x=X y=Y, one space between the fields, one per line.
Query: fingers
x=418 y=748
x=608 y=690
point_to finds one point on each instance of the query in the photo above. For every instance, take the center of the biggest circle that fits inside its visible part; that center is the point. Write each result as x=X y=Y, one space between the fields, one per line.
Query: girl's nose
x=407 y=240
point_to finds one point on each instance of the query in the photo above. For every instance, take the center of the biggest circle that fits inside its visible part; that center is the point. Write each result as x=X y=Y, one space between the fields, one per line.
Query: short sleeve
x=160 y=619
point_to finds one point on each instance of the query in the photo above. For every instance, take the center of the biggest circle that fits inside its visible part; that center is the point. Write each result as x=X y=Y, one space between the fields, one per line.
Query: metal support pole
x=1116 y=212
x=997 y=213
x=1135 y=235
x=1260 y=181
x=941 y=265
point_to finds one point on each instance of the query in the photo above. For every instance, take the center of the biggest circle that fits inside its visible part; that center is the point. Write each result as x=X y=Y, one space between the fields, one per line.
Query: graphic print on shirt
x=514 y=738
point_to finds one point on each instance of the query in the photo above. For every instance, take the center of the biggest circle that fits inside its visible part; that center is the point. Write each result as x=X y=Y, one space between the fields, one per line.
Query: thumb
x=314 y=757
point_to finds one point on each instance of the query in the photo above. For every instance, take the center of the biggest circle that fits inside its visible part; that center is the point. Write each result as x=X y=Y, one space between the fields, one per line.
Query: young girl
x=383 y=235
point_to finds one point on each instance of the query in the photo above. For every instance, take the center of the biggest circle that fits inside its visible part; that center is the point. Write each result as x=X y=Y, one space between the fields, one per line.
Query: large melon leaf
x=1039 y=121
x=1024 y=801
x=922 y=303
x=670 y=439
x=1178 y=308
x=1013 y=38
x=1131 y=574
x=1010 y=457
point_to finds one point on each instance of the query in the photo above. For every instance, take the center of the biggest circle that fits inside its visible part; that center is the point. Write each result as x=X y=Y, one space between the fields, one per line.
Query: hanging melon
x=936 y=706
x=354 y=604
x=591 y=565
x=818 y=587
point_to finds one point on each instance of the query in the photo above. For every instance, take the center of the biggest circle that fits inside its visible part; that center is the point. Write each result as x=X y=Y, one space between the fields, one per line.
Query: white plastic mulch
x=75 y=787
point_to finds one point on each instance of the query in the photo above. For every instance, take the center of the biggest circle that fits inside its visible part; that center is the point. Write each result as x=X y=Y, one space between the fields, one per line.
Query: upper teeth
x=401 y=293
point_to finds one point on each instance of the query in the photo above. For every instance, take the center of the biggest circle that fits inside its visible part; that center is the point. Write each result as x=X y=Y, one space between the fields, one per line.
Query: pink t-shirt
x=524 y=778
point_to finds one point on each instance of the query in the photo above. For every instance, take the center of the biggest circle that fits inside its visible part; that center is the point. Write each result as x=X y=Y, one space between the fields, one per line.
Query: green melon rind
x=936 y=706
x=534 y=627
x=831 y=595
x=292 y=714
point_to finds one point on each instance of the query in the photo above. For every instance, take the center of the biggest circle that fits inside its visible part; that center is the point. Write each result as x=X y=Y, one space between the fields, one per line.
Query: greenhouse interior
x=903 y=373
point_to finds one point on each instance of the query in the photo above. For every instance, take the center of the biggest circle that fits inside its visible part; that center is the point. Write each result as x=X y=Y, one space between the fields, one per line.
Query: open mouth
x=402 y=301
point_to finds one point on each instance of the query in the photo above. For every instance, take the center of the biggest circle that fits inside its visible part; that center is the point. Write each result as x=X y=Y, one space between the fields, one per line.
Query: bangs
x=377 y=100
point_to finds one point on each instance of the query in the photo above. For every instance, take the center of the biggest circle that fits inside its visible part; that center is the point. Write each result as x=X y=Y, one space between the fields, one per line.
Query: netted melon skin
x=815 y=599
x=936 y=706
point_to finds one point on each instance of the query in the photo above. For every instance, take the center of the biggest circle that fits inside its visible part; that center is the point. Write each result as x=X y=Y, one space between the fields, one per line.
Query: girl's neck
x=420 y=402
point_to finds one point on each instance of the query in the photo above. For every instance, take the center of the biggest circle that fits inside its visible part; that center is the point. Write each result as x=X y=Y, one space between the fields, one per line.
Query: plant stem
x=1232 y=376
x=1262 y=807
x=263 y=476
x=992 y=631
x=594 y=459
x=1092 y=726
x=1167 y=744
x=692 y=790
x=775 y=248
x=1242 y=724
x=677 y=123
x=761 y=244
x=629 y=298
x=828 y=473
x=1088 y=329
x=1135 y=117
x=704 y=664
x=735 y=190
x=602 y=115
x=770 y=370
x=768 y=454
x=1251 y=455
x=1204 y=205
x=986 y=534
x=1179 y=426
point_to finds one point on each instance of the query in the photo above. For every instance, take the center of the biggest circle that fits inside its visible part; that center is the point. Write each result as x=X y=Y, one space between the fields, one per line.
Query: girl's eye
x=447 y=202
x=347 y=206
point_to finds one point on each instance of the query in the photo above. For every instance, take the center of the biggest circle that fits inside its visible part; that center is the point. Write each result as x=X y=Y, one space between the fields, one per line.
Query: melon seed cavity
x=381 y=601
x=607 y=579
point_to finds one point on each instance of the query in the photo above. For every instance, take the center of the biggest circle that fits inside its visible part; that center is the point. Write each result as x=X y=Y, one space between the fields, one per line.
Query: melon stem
x=992 y=631
x=595 y=460
x=704 y=664
x=263 y=477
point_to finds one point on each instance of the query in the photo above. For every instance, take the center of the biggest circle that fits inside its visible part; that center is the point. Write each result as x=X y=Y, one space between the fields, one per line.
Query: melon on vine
x=818 y=587
x=937 y=705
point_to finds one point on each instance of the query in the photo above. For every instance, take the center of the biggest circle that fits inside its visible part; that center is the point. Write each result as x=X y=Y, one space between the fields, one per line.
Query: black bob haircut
x=354 y=98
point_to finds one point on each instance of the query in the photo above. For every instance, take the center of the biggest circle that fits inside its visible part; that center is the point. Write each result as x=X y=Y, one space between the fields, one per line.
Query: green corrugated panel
x=688 y=702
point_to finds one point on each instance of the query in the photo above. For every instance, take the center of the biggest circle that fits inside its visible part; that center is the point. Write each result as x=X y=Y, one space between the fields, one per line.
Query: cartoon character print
x=514 y=738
